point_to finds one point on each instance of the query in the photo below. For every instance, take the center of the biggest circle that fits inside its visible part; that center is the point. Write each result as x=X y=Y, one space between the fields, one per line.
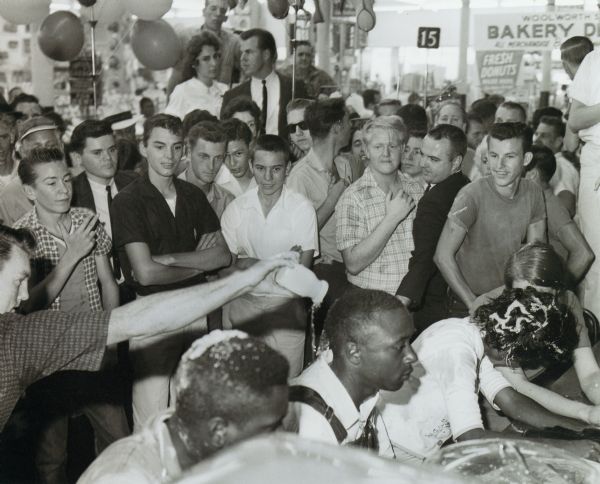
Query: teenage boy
x=490 y=219
x=258 y=224
x=237 y=175
x=167 y=236
x=205 y=143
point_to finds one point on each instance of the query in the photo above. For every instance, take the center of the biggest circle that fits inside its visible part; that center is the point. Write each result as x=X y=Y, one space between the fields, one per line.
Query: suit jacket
x=82 y=191
x=285 y=84
x=423 y=277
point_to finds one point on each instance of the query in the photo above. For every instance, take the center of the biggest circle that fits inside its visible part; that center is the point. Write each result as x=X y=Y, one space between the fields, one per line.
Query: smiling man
x=167 y=236
x=490 y=219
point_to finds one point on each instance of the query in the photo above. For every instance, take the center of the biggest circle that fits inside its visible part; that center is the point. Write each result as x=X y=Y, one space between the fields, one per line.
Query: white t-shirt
x=566 y=176
x=443 y=402
x=585 y=88
x=310 y=424
x=230 y=183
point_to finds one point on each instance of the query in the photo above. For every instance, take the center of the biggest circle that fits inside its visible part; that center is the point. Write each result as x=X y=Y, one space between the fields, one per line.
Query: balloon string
x=114 y=49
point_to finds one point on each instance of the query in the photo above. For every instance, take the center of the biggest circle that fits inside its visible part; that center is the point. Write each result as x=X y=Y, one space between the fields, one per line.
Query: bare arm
x=148 y=272
x=453 y=235
x=569 y=201
x=325 y=211
x=361 y=255
x=110 y=290
x=169 y=311
x=581 y=255
x=536 y=232
x=582 y=116
x=570 y=141
x=588 y=373
x=212 y=253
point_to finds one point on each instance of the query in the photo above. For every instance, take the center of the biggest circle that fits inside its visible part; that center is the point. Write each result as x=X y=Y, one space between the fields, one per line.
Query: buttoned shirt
x=47 y=253
x=148 y=456
x=44 y=342
x=194 y=94
x=311 y=179
x=273 y=95
x=101 y=201
x=360 y=210
x=310 y=424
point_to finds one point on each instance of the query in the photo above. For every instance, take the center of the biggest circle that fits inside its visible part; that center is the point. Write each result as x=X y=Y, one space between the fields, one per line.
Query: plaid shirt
x=46 y=254
x=360 y=210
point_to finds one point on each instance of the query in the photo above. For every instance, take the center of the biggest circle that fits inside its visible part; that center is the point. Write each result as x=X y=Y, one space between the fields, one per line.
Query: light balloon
x=155 y=44
x=61 y=36
x=148 y=9
x=24 y=11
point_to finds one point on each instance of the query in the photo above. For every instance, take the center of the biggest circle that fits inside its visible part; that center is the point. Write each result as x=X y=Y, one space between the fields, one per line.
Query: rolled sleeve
x=103 y=242
x=491 y=381
x=306 y=220
x=230 y=222
x=463 y=211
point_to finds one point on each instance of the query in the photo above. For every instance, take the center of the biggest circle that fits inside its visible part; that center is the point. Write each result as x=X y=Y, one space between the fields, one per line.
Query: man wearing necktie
x=267 y=88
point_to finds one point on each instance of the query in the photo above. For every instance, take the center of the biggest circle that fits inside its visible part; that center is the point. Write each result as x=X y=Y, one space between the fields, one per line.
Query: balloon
x=318 y=17
x=87 y=3
x=155 y=44
x=24 y=11
x=148 y=9
x=105 y=11
x=365 y=19
x=278 y=8
x=61 y=36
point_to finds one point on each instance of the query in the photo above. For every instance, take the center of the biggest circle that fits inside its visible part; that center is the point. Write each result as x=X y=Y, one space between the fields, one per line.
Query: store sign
x=534 y=30
x=428 y=37
x=499 y=70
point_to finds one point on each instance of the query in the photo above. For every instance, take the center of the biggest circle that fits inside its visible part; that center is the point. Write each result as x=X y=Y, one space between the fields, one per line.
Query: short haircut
x=574 y=49
x=350 y=317
x=90 y=128
x=242 y=104
x=237 y=130
x=543 y=161
x=369 y=96
x=194 y=117
x=320 y=116
x=416 y=133
x=273 y=144
x=463 y=113
x=515 y=107
x=386 y=123
x=194 y=47
x=207 y=131
x=305 y=43
x=538 y=264
x=473 y=117
x=484 y=108
x=298 y=103
x=455 y=135
x=9 y=238
x=145 y=100
x=23 y=98
x=557 y=125
x=414 y=116
x=529 y=326
x=231 y=379
x=545 y=111
x=38 y=156
x=395 y=103
x=266 y=41
x=58 y=121
x=166 y=121
x=504 y=131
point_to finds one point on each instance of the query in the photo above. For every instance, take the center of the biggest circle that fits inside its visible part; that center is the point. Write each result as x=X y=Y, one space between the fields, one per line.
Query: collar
x=314 y=161
x=100 y=185
x=272 y=77
x=168 y=455
x=252 y=195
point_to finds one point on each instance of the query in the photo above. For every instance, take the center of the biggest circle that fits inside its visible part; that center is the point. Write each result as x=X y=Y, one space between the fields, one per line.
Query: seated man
x=237 y=177
x=489 y=220
x=219 y=401
x=334 y=399
x=457 y=359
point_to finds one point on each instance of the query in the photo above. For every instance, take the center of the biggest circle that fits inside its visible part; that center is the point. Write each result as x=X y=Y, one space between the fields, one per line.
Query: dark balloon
x=61 y=36
x=87 y=3
x=278 y=8
x=155 y=44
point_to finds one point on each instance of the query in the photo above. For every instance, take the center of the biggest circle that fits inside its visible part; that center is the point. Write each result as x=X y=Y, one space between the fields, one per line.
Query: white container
x=303 y=282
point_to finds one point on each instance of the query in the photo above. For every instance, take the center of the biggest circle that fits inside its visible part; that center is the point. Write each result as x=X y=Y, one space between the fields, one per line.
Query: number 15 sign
x=428 y=37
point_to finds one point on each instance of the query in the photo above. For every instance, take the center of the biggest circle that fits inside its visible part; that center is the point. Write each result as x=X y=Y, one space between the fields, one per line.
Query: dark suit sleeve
x=301 y=91
x=427 y=228
x=82 y=193
x=226 y=101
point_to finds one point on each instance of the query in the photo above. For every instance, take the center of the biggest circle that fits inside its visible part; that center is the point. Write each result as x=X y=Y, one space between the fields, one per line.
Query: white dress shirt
x=101 y=202
x=273 y=95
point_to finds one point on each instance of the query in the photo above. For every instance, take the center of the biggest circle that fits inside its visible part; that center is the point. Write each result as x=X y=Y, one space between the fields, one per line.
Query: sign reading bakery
x=533 y=30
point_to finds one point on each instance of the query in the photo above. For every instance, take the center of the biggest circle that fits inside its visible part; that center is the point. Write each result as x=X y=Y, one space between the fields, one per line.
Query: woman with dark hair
x=537 y=266
x=199 y=90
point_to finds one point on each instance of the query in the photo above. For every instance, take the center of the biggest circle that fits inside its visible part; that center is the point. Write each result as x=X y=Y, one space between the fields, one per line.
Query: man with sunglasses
x=298 y=134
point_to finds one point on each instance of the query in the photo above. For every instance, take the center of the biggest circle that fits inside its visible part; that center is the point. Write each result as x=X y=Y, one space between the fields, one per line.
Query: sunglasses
x=302 y=125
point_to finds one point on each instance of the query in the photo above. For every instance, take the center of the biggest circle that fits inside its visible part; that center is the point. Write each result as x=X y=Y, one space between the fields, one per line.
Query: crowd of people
x=140 y=276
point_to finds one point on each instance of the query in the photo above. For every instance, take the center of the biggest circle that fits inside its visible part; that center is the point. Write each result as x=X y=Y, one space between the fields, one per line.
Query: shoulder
x=299 y=201
x=26 y=221
x=243 y=88
x=125 y=177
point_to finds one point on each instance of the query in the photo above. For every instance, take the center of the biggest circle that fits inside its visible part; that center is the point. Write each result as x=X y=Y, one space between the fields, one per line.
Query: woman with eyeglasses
x=200 y=89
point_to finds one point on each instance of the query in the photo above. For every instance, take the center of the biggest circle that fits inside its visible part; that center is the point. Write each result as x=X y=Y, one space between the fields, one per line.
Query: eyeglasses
x=302 y=125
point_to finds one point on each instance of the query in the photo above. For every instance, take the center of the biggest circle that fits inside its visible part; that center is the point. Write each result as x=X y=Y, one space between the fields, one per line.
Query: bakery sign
x=533 y=30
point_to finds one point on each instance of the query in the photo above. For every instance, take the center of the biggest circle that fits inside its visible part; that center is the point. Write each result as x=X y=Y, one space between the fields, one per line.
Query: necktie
x=428 y=188
x=115 y=257
x=264 y=106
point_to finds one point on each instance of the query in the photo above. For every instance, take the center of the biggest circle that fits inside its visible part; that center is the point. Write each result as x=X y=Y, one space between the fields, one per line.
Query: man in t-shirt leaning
x=490 y=219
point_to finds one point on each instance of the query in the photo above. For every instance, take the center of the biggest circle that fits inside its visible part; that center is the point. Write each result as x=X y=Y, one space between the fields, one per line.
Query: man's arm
x=212 y=253
x=582 y=116
x=171 y=310
x=110 y=290
x=536 y=232
x=569 y=200
x=570 y=141
x=453 y=235
x=361 y=255
x=580 y=256
x=327 y=208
